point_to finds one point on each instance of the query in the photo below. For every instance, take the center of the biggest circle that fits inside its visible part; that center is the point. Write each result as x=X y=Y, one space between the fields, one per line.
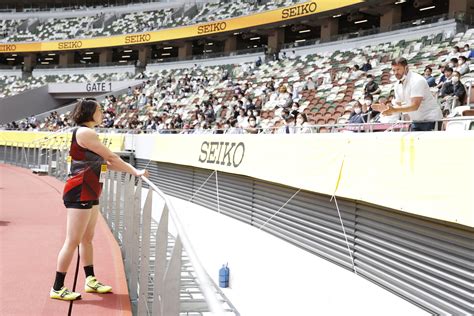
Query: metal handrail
x=368 y=127
x=204 y=282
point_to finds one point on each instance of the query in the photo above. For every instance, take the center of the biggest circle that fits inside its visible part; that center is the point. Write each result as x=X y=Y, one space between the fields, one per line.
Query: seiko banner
x=169 y=34
x=395 y=170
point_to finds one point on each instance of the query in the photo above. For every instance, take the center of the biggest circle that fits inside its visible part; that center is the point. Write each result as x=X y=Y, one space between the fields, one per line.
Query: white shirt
x=413 y=86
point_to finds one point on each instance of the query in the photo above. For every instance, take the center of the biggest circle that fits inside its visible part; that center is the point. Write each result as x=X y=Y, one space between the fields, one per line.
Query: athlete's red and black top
x=83 y=181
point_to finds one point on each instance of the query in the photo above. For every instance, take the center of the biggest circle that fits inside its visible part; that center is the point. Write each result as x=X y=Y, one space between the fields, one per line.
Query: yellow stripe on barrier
x=37 y=139
x=430 y=175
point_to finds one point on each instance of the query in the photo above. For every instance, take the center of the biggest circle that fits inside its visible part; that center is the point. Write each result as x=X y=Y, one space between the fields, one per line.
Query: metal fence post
x=128 y=224
x=49 y=158
x=105 y=190
x=12 y=161
x=110 y=192
x=17 y=148
x=145 y=255
x=59 y=163
x=40 y=155
x=160 y=261
x=135 y=240
x=170 y=302
x=118 y=205
x=5 y=150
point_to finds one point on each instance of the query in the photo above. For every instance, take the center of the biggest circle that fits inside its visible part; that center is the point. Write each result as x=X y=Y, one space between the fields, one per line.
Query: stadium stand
x=405 y=219
x=133 y=22
x=223 y=87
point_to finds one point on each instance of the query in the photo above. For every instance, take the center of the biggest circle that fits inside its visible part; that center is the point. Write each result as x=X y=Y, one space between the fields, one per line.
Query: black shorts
x=85 y=205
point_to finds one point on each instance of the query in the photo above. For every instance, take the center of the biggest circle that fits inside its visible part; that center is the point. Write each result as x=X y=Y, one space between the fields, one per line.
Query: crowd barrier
x=164 y=274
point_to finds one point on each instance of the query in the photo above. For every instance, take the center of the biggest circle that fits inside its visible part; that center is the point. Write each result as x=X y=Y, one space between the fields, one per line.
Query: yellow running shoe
x=94 y=286
x=64 y=294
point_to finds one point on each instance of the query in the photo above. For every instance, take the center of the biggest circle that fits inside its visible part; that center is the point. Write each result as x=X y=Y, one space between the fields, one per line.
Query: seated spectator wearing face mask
x=371 y=87
x=252 y=127
x=429 y=78
x=357 y=117
x=371 y=113
x=453 y=92
x=463 y=65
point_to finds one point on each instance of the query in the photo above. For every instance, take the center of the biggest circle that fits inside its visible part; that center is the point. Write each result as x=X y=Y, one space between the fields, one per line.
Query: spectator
x=356 y=116
x=371 y=87
x=288 y=126
x=302 y=126
x=355 y=73
x=241 y=118
x=233 y=128
x=252 y=126
x=453 y=93
x=468 y=53
x=463 y=65
x=295 y=109
x=453 y=62
x=367 y=66
x=429 y=78
x=309 y=84
x=413 y=97
x=448 y=72
x=442 y=78
x=293 y=55
x=455 y=52
x=367 y=108
x=283 y=98
x=344 y=74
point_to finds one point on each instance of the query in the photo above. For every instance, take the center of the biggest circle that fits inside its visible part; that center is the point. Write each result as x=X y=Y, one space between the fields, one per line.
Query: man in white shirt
x=413 y=97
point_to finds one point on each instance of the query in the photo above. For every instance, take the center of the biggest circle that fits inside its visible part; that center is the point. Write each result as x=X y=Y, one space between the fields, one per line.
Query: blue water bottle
x=224 y=276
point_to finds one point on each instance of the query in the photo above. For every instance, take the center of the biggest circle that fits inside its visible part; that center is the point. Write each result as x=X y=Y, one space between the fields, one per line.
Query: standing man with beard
x=413 y=97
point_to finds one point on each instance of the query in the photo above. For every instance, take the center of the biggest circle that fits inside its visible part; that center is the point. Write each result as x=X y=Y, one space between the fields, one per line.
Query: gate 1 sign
x=99 y=87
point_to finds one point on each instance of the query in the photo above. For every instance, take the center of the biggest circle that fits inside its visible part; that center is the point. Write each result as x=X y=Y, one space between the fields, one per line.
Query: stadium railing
x=399 y=126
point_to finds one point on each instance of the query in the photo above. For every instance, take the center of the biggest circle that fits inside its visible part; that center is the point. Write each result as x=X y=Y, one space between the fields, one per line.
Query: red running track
x=32 y=230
